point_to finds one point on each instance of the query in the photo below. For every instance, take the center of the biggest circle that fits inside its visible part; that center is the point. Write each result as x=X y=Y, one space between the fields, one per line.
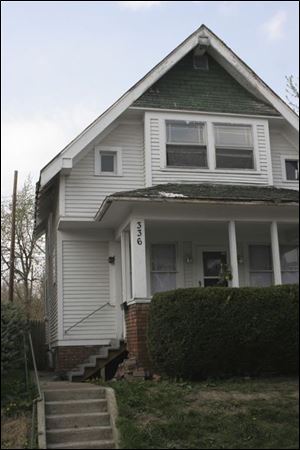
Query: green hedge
x=202 y=332
x=13 y=326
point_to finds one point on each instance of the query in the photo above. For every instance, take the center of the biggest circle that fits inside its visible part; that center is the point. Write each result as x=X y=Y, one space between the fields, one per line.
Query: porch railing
x=89 y=315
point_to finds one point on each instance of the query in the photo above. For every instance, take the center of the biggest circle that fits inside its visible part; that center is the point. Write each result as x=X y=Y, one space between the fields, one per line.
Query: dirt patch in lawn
x=15 y=432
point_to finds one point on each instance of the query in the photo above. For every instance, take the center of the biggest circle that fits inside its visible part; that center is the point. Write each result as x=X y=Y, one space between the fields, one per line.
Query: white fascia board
x=109 y=116
x=103 y=121
x=253 y=80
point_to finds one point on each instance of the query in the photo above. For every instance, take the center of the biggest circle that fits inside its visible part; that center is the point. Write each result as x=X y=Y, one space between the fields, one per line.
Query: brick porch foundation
x=66 y=358
x=136 y=317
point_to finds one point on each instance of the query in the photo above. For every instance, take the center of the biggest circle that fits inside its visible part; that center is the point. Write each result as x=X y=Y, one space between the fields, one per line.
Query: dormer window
x=186 y=144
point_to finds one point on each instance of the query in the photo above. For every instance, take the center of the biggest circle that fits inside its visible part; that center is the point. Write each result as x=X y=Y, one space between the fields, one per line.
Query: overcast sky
x=64 y=63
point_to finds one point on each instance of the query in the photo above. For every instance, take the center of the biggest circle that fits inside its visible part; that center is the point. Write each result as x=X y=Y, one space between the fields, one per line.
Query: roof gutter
x=110 y=199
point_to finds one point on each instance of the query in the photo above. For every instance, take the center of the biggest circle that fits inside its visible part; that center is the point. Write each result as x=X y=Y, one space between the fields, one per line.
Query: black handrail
x=89 y=315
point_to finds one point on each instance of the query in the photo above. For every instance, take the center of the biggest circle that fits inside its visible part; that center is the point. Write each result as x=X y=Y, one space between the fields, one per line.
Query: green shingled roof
x=213 y=192
x=184 y=87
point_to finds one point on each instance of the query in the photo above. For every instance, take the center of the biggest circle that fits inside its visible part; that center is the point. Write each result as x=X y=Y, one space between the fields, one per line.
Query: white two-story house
x=194 y=168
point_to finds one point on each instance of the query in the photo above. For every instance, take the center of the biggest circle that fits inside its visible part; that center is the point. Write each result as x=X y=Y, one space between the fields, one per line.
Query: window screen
x=289 y=256
x=261 y=270
x=186 y=144
x=292 y=169
x=163 y=267
x=108 y=162
x=234 y=146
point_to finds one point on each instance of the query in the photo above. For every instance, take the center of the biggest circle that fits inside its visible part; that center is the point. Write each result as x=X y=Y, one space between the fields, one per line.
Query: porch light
x=188 y=259
x=111 y=259
x=240 y=259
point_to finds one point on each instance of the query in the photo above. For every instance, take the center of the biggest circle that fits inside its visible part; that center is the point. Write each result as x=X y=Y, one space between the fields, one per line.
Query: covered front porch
x=176 y=236
x=159 y=255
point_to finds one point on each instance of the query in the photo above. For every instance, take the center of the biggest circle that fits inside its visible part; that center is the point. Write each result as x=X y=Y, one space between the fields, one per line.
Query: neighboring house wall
x=281 y=147
x=85 y=191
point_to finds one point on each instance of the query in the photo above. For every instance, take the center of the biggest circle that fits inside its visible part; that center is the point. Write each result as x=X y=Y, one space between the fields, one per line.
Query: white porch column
x=276 y=253
x=138 y=258
x=233 y=254
x=125 y=259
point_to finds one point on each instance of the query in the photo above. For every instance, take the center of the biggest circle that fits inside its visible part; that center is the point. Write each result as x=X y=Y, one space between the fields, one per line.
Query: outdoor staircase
x=98 y=363
x=77 y=416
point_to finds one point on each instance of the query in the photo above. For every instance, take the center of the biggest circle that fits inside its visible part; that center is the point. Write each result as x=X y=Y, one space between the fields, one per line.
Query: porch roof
x=213 y=192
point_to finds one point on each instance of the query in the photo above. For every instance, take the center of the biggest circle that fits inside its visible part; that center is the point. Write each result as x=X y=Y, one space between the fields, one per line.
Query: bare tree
x=292 y=91
x=29 y=253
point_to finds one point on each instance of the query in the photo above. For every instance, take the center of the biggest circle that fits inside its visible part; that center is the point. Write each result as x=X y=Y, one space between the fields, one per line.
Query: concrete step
x=58 y=421
x=85 y=444
x=75 y=406
x=74 y=394
x=79 y=434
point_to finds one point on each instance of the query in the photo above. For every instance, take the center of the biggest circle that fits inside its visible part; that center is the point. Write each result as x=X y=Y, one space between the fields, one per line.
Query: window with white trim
x=289 y=256
x=260 y=265
x=108 y=161
x=186 y=144
x=291 y=169
x=163 y=267
x=234 y=146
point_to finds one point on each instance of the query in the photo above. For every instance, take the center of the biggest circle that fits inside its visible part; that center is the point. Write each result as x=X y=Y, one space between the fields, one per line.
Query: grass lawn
x=16 y=403
x=228 y=414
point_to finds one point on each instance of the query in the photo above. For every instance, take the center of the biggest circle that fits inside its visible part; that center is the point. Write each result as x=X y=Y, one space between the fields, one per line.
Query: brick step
x=58 y=421
x=74 y=394
x=84 y=444
x=79 y=434
x=75 y=406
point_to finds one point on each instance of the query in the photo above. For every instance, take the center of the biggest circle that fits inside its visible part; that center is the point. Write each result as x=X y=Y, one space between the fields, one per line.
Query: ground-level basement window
x=186 y=144
x=234 y=146
x=163 y=267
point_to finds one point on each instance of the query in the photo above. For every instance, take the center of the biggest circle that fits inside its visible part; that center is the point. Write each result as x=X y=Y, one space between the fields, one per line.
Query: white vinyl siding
x=281 y=147
x=86 y=288
x=162 y=174
x=85 y=191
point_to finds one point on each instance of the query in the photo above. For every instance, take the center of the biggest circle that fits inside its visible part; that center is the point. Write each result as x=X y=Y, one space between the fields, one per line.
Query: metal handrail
x=89 y=315
x=35 y=366
x=39 y=397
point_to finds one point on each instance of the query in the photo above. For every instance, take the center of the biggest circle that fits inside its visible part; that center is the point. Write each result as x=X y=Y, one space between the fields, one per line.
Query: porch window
x=261 y=269
x=234 y=146
x=163 y=267
x=289 y=255
x=186 y=144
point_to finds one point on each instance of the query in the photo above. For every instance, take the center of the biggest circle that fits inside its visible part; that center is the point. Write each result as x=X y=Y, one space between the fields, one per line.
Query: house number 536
x=139 y=233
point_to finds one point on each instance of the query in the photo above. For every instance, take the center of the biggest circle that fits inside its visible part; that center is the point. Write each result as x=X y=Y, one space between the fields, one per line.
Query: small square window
x=292 y=169
x=107 y=162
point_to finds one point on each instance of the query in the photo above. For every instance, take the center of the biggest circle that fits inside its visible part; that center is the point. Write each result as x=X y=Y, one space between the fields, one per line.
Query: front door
x=211 y=261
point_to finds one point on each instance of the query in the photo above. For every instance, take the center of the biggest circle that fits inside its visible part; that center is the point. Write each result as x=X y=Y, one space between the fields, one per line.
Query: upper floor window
x=186 y=144
x=108 y=161
x=292 y=169
x=234 y=146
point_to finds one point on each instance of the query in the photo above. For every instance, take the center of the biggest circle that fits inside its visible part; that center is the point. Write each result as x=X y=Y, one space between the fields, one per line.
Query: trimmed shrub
x=196 y=333
x=13 y=325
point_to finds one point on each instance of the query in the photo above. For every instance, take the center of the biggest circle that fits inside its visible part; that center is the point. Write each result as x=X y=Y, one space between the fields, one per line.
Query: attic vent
x=200 y=59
